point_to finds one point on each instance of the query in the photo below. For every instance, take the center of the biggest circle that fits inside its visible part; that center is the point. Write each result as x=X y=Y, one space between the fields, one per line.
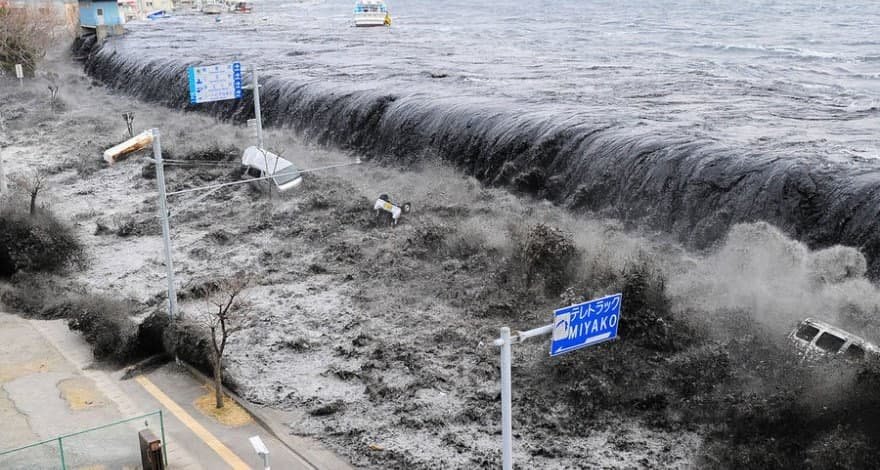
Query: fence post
x=164 y=444
x=61 y=448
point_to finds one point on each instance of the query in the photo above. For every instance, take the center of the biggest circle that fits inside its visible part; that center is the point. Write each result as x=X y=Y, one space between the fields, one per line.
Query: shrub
x=151 y=333
x=842 y=448
x=185 y=340
x=464 y=244
x=27 y=294
x=104 y=322
x=190 y=343
x=34 y=243
x=427 y=240
x=445 y=242
x=698 y=370
x=646 y=315
x=549 y=255
x=760 y=431
x=25 y=36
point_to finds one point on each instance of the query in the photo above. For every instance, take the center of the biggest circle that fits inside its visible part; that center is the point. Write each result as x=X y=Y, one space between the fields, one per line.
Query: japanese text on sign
x=585 y=324
x=214 y=83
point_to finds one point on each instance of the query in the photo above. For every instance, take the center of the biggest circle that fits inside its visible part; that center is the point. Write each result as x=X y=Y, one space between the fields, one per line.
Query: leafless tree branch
x=226 y=315
x=26 y=34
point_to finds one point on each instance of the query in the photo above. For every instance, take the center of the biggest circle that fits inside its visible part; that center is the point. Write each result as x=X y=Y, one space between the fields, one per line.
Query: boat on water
x=242 y=7
x=158 y=15
x=371 y=13
x=213 y=8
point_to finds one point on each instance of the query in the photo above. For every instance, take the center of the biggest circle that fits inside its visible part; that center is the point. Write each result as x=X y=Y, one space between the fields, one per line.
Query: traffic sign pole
x=573 y=327
x=505 y=342
x=506 y=423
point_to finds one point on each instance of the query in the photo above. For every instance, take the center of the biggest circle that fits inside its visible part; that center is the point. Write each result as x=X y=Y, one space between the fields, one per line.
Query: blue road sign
x=585 y=324
x=214 y=83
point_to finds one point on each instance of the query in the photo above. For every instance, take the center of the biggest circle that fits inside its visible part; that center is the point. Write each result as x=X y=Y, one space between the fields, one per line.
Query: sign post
x=19 y=73
x=257 y=114
x=506 y=423
x=574 y=327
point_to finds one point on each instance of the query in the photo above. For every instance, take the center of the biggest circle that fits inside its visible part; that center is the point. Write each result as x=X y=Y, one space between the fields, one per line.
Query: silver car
x=816 y=338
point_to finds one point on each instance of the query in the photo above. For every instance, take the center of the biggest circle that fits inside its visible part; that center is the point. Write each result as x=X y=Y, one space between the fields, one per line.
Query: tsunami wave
x=694 y=188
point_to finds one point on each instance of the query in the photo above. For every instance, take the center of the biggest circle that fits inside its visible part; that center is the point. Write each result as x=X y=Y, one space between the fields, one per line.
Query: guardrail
x=101 y=445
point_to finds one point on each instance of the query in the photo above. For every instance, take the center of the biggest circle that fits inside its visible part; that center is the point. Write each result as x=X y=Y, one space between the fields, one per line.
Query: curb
x=273 y=427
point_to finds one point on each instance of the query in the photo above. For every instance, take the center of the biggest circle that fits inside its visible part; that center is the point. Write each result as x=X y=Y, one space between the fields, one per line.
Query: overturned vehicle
x=816 y=339
x=261 y=165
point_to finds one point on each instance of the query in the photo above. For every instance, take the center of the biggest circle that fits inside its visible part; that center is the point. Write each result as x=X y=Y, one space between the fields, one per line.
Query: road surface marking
x=224 y=452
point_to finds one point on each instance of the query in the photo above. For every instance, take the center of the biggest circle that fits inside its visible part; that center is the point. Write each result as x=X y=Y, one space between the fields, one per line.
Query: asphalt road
x=49 y=386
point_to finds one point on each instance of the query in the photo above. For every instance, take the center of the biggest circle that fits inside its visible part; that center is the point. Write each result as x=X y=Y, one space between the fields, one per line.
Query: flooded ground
x=377 y=337
x=652 y=144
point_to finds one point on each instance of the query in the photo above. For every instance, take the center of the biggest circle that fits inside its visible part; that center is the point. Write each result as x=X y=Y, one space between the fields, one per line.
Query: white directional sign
x=585 y=324
x=214 y=83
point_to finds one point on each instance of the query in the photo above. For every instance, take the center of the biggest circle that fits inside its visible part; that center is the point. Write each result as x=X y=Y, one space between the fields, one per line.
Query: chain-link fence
x=111 y=446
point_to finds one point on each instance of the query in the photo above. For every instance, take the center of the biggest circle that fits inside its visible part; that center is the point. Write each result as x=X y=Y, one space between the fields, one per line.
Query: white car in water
x=817 y=339
x=260 y=164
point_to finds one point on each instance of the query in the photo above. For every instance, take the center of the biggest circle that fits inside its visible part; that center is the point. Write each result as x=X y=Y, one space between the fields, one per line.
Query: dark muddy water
x=687 y=115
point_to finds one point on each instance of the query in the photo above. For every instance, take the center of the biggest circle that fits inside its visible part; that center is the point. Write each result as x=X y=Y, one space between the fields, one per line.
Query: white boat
x=243 y=6
x=371 y=13
x=213 y=8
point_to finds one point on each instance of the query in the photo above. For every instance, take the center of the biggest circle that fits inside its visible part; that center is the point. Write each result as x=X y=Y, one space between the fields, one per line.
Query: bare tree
x=33 y=183
x=26 y=34
x=226 y=315
x=54 y=87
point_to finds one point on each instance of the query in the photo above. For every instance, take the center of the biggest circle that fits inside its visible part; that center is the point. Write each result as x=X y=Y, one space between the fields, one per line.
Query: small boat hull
x=366 y=23
x=370 y=20
x=212 y=9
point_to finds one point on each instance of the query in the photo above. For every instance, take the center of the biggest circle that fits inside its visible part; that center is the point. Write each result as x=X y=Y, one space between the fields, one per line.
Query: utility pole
x=166 y=235
x=3 y=188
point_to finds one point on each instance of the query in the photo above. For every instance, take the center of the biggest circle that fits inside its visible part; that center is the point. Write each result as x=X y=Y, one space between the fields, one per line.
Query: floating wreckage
x=384 y=207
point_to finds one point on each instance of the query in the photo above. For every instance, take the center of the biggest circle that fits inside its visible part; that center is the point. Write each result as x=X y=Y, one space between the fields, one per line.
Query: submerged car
x=260 y=164
x=816 y=339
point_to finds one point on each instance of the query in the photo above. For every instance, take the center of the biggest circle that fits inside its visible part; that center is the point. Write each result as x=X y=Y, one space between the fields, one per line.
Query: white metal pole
x=3 y=188
x=506 y=431
x=2 y=173
x=257 y=114
x=166 y=235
